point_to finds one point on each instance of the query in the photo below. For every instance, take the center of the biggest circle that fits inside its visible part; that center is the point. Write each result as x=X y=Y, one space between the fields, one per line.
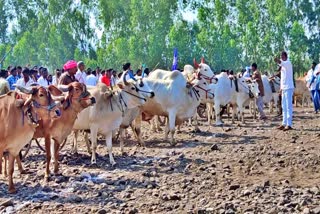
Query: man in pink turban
x=67 y=77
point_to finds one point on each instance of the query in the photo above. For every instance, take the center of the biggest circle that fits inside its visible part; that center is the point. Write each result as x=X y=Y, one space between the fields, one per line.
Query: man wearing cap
x=70 y=70
x=81 y=75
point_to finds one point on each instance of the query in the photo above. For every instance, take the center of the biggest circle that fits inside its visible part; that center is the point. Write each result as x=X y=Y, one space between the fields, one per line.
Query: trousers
x=259 y=103
x=287 y=107
x=315 y=99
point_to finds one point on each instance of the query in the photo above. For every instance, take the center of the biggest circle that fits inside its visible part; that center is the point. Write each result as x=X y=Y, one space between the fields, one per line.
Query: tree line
x=230 y=34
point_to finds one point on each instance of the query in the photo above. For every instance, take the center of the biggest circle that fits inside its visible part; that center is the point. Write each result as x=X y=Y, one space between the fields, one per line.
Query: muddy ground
x=251 y=168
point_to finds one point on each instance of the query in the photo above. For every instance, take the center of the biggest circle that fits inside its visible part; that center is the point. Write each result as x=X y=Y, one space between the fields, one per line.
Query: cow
x=271 y=91
x=21 y=116
x=108 y=113
x=175 y=98
x=236 y=91
x=301 y=91
x=76 y=99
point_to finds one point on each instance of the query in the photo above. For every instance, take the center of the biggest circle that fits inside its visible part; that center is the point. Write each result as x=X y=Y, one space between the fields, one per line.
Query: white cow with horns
x=236 y=91
x=108 y=113
x=176 y=98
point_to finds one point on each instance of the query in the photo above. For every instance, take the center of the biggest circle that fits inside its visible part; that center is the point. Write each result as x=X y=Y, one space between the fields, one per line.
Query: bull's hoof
x=124 y=154
x=24 y=172
x=113 y=164
x=197 y=130
x=12 y=190
x=159 y=129
x=173 y=143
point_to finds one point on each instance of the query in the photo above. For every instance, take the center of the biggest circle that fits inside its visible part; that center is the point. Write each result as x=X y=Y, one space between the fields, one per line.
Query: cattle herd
x=53 y=113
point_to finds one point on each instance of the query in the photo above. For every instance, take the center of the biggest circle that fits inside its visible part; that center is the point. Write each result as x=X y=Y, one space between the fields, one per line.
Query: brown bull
x=19 y=118
x=77 y=99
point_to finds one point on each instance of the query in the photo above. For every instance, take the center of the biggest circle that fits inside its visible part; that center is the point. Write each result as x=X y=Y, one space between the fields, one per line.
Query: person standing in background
x=91 y=80
x=4 y=85
x=26 y=80
x=13 y=78
x=81 y=75
x=43 y=80
x=311 y=84
x=287 y=89
x=259 y=100
x=70 y=69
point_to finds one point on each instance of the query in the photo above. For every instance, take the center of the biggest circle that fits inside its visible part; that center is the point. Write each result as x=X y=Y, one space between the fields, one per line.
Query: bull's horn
x=124 y=79
x=63 y=88
x=196 y=65
x=202 y=60
x=25 y=90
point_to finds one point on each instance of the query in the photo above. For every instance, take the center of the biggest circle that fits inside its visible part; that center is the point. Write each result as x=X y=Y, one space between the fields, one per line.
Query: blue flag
x=175 y=59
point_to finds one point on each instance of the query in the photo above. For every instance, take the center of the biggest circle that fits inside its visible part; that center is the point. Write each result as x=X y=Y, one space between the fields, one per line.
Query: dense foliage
x=228 y=33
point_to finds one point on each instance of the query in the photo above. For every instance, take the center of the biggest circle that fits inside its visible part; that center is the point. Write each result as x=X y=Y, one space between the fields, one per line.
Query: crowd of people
x=72 y=71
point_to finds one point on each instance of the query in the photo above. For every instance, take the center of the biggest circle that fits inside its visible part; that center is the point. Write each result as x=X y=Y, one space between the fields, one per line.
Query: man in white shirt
x=91 y=80
x=287 y=89
x=81 y=75
x=311 y=80
x=43 y=80
x=246 y=74
x=25 y=80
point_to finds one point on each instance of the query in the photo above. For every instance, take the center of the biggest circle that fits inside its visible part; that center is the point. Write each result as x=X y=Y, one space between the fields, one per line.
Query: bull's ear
x=54 y=90
x=120 y=85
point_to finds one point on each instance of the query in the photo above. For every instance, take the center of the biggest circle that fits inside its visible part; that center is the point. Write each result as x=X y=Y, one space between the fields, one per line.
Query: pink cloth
x=70 y=64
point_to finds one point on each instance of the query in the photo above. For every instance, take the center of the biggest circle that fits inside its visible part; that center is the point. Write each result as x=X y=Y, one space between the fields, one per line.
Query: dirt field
x=251 y=168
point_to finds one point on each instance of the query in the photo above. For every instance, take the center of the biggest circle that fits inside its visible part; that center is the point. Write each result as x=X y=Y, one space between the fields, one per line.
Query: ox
x=234 y=91
x=176 y=98
x=15 y=132
x=107 y=115
x=77 y=99
x=269 y=93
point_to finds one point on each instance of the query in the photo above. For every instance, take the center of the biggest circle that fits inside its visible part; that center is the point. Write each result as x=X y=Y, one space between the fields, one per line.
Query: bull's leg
x=137 y=133
x=6 y=166
x=166 y=132
x=153 y=124
x=234 y=112
x=86 y=139
x=48 y=157
x=171 y=125
x=241 y=114
x=93 y=135
x=56 y=157
x=196 y=124
x=209 y=112
x=109 y=146
x=1 y=156
x=75 y=142
x=157 y=120
x=10 y=177
x=137 y=127
x=21 y=170
x=217 y=113
x=122 y=136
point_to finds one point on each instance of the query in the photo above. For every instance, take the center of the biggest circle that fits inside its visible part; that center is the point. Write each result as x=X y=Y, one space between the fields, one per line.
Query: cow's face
x=205 y=71
x=78 y=96
x=45 y=103
x=254 y=87
x=202 y=88
x=136 y=92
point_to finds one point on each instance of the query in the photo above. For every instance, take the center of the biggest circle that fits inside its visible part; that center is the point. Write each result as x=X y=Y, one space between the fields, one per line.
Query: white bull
x=175 y=98
x=108 y=113
x=268 y=94
x=225 y=93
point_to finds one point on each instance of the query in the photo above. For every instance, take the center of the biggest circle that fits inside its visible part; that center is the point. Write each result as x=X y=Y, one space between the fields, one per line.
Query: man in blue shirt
x=13 y=78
